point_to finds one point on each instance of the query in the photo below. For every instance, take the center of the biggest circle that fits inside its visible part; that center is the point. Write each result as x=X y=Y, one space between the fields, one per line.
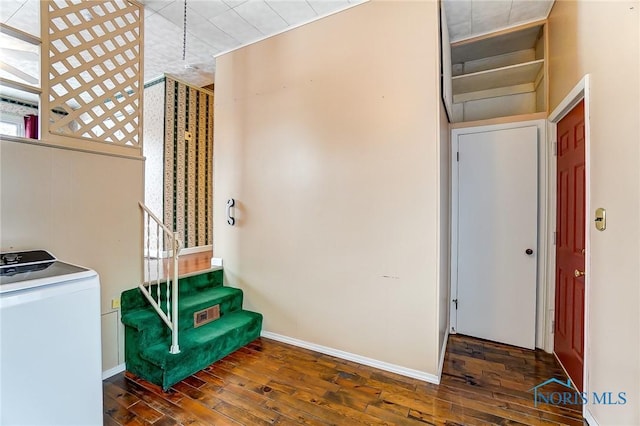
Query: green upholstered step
x=229 y=299
x=132 y=299
x=147 y=330
x=195 y=282
x=148 y=339
x=199 y=347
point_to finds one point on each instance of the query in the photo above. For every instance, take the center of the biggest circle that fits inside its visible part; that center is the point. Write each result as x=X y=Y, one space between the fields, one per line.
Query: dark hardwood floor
x=269 y=382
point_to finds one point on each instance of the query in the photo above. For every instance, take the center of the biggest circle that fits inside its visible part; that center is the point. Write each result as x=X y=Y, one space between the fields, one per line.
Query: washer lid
x=30 y=257
x=22 y=270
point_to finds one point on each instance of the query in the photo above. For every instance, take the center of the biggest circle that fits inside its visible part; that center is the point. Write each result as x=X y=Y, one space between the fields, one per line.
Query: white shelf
x=512 y=75
x=495 y=44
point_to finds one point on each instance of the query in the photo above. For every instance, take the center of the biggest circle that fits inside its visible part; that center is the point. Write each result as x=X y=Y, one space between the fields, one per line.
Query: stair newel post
x=174 y=289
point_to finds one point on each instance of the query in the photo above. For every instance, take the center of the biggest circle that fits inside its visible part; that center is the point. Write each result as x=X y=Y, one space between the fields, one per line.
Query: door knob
x=578 y=274
x=529 y=252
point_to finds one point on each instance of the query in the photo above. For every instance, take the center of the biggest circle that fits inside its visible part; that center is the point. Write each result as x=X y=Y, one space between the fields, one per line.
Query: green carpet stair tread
x=196 y=337
x=139 y=318
x=210 y=297
x=200 y=281
x=200 y=347
x=229 y=299
x=133 y=299
x=148 y=339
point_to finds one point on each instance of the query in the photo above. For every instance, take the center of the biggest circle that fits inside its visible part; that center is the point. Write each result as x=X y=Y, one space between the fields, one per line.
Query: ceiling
x=469 y=18
x=216 y=26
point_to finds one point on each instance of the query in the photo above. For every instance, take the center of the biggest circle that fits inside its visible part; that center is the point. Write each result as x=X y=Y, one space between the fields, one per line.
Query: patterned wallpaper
x=14 y=111
x=17 y=108
x=188 y=185
x=153 y=147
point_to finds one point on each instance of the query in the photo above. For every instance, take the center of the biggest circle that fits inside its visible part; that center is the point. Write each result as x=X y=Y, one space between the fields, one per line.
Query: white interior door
x=497 y=235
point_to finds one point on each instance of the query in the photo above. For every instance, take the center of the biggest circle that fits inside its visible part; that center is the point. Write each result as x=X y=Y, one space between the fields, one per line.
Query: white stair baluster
x=170 y=317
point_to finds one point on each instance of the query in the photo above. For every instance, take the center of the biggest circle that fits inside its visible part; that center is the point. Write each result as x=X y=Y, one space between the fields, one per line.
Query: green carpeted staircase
x=148 y=339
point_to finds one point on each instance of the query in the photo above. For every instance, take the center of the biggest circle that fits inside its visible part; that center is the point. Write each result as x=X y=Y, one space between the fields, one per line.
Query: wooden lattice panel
x=94 y=69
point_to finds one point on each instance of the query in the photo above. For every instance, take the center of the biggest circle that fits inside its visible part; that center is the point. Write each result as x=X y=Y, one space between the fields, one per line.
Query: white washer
x=50 y=345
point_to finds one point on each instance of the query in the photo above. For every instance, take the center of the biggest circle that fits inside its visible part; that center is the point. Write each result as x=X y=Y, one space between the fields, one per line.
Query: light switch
x=601 y=219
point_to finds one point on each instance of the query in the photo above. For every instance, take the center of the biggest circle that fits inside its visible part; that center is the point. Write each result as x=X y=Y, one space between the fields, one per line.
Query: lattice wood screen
x=95 y=61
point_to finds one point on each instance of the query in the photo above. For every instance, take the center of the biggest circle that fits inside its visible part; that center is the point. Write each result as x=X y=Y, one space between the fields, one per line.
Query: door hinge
x=458 y=156
x=555 y=148
x=456 y=302
x=553 y=326
x=555 y=236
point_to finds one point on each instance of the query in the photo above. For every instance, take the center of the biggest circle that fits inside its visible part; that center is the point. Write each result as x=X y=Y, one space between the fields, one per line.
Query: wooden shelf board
x=500 y=120
x=493 y=62
x=496 y=43
x=500 y=77
x=494 y=93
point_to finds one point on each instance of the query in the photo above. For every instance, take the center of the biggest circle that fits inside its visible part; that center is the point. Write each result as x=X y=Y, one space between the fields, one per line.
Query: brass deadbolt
x=601 y=219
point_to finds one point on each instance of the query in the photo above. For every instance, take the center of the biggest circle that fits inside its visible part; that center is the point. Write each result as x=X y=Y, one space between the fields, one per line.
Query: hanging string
x=184 y=33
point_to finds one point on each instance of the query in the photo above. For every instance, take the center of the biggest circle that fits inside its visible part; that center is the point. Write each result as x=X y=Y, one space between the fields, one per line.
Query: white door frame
x=541 y=291
x=579 y=92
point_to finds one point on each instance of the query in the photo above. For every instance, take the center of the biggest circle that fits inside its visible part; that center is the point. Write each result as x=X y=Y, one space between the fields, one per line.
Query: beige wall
x=83 y=208
x=602 y=38
x=327 y=137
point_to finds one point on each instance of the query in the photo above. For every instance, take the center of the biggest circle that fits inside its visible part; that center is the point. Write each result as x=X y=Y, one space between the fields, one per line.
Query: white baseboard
x=113 y=371
x=589 y=417
x=393 y=368
x=443 y=352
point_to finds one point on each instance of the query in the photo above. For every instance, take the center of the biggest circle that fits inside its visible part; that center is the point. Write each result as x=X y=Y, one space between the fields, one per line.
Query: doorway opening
x=547 y=221
x=569 y=258
x=501 y=182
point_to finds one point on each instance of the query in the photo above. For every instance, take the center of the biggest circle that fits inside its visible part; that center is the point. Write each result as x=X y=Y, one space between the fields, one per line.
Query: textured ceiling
x=21 y=14
x=468 y=18
x=215 y=26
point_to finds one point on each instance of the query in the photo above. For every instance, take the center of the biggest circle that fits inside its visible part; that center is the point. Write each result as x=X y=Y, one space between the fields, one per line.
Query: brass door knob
x=578 y=274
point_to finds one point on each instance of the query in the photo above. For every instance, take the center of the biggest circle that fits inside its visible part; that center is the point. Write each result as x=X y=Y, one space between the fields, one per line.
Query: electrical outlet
x=115 y=303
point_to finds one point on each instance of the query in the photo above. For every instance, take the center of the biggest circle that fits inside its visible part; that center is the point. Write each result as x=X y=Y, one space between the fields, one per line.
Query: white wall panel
x=82 y=207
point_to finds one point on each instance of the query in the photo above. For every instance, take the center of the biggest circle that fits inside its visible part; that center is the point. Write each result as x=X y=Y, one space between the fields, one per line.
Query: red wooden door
x=570 y=244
